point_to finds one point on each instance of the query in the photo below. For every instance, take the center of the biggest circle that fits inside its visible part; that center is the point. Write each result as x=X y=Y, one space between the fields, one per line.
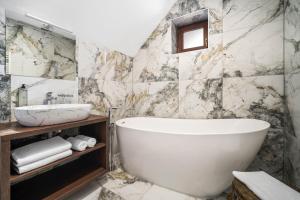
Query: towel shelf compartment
x=14 y=178
x=57 y=183
x=60 y=178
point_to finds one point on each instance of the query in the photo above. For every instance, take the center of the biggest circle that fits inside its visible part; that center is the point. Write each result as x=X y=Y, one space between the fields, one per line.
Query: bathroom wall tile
x=152 y=66
x=103 y=94
x=121 y=64
x=240 y=14
x=247 y=51
x=38 y=87
x=200 y=99
x=292 y=91
x=4 y=98
x=260 y=98
x=203 y=64
x=33 y=52
x=293 y=99
x=103 y=64
x=244 y=96
x=91 y=59
x=2 y=41
x=158 y=99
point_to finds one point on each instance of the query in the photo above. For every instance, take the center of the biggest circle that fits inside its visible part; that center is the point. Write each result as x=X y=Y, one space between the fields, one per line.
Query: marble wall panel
x=259 y=98
x=2 y=41
x=254 y=28
x=4 y=99
x=292 y=89
x=158 y=99
x=101 y=63
x=200 y=99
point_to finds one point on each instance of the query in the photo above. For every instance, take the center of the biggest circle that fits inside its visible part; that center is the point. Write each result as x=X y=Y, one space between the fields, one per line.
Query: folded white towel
x=39 y=150
x=40 y=163
x=77 y=144
x=91 y=142
x=265 y=186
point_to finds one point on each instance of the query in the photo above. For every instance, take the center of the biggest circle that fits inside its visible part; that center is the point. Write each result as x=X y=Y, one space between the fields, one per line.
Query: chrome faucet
x=110 y=110
x=49 y=98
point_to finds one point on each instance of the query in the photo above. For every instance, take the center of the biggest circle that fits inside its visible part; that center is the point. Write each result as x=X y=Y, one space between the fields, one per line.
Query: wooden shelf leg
x=5 y=170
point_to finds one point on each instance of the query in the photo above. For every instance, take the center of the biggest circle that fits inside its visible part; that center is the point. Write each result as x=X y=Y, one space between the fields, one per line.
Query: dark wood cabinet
x=58 y=179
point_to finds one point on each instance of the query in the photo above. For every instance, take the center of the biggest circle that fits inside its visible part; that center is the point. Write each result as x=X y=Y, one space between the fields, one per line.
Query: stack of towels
x=81 y=142
x=40 y=153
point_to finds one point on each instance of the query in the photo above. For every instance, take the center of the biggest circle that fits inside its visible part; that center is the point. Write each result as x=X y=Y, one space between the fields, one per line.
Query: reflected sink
x=42 y=115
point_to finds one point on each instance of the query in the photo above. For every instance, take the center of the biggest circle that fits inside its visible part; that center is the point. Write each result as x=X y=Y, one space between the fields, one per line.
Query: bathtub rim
x=251 y=131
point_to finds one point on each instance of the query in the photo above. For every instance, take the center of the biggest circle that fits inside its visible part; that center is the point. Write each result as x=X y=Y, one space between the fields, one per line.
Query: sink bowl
x=42 y=115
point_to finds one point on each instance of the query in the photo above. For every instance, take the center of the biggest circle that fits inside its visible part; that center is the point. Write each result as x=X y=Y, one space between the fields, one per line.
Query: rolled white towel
x=91 y=142
x=40 y=163
x=77 y=144
x=39 y=150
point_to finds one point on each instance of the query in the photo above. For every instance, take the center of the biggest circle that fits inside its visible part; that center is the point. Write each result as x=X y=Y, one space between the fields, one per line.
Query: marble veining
x=34 y=52
x=252 y=28
x=158 y=99
x=2 y=41
x=4 y=99
x=292 y=90
x=103 y=64
x=120 y=185
x=259 y=98
x=104 y=94
x=200 y=99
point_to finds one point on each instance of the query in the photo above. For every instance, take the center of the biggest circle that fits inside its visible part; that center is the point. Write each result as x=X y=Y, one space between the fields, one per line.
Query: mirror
x=37 y=52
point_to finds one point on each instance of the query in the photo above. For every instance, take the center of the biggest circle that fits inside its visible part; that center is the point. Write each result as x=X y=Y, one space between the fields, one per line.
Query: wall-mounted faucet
x=49 y=99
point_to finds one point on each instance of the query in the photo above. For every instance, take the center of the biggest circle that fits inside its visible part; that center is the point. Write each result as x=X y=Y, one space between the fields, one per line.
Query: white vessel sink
x=41 y=115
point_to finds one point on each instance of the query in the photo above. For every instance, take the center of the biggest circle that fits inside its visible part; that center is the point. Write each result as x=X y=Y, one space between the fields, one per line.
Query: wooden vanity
x=59 y=179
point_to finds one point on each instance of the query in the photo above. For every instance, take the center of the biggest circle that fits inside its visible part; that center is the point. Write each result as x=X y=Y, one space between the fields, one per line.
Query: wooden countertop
x=14 y=130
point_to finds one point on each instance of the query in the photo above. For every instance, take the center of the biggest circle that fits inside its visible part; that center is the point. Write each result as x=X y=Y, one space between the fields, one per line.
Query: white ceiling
x=122 y=25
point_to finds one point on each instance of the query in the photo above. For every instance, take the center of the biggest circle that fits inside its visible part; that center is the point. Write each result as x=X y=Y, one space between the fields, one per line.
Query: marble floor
x=119 y=185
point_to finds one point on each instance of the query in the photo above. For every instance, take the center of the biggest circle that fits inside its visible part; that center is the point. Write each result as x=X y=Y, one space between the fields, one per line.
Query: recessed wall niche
x=190 y=32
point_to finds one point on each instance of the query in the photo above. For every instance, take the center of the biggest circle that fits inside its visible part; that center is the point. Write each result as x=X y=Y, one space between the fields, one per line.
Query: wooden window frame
x=183 y=29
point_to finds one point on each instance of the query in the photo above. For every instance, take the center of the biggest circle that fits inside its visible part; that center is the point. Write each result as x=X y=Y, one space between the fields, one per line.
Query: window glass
x=193 y=38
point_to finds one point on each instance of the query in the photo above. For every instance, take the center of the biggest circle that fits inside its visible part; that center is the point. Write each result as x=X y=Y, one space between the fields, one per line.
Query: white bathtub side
x=199 y=165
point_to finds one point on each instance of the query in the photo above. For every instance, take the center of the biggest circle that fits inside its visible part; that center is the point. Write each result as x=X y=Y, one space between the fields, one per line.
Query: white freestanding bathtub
x=195 y=157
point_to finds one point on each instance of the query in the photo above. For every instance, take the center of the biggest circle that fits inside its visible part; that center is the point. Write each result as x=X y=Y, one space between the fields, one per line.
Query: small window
x=192 y=37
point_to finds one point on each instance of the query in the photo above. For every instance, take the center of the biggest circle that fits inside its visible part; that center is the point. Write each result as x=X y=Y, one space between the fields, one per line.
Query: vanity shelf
x=58 y=179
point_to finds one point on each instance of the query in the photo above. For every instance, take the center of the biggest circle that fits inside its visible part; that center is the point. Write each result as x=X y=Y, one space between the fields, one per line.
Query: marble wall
x=105 y=79
x=4 y=80
x=38 y=53
x=239 y=75
x=292 y=89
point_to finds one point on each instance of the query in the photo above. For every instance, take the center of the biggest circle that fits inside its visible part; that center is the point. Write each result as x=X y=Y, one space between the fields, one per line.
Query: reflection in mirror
x=193 y=38
x=32 y=51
